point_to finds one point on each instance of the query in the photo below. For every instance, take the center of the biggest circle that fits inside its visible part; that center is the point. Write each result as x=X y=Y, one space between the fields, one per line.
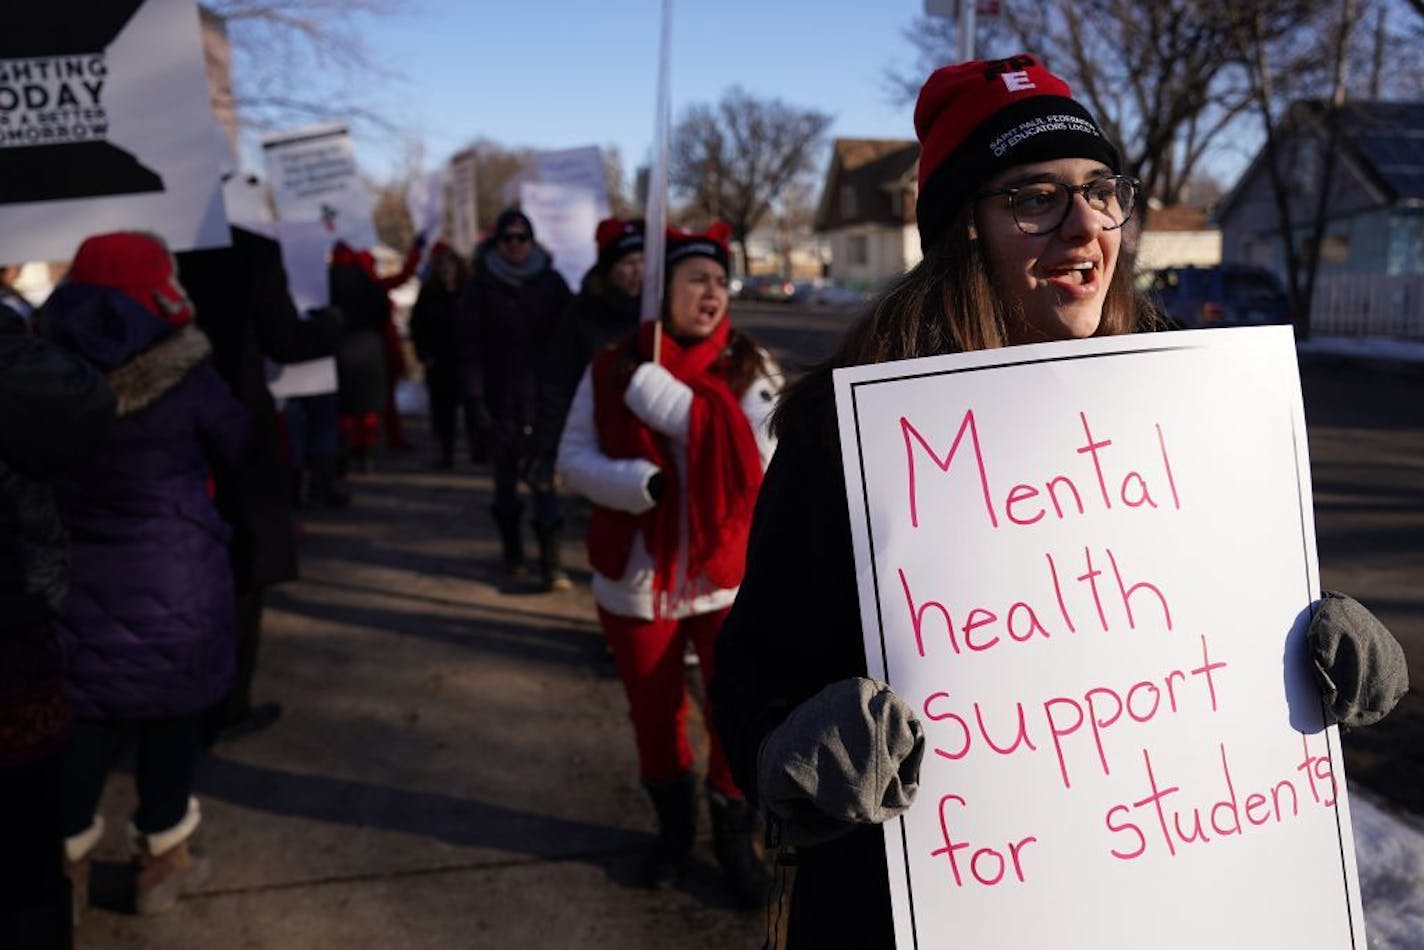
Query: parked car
x=769 y=289
x=1227 y=295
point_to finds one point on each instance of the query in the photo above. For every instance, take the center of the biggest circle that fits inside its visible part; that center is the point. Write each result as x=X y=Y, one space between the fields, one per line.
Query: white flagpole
x=654 y=239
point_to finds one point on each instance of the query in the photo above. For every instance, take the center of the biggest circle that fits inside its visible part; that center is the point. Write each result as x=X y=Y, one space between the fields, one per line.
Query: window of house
x=858 y=250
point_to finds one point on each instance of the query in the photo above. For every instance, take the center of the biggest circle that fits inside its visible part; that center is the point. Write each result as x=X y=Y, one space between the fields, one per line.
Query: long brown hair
x=947 y=303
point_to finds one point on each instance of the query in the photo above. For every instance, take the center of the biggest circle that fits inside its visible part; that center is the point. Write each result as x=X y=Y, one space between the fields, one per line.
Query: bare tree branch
x=294 y=60
x=736 y=161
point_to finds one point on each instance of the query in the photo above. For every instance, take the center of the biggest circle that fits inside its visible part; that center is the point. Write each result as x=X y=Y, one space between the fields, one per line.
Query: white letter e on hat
x=1018 y=80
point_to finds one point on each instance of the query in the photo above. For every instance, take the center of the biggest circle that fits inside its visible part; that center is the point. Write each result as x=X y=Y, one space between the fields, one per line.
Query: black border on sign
x=1302 y=511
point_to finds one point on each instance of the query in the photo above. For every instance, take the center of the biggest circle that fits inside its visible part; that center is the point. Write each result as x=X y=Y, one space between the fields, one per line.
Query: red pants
x=649 y=658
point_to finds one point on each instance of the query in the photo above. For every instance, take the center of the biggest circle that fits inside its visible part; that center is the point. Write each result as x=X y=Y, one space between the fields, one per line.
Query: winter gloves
x=1359 y=665
x=850 y=755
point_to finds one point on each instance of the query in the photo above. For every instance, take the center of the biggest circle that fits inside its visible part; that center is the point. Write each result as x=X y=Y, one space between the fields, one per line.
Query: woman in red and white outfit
x=670 y=447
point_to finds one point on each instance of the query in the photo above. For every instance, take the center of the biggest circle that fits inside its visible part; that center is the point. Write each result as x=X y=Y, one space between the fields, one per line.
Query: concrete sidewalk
x=455 y=767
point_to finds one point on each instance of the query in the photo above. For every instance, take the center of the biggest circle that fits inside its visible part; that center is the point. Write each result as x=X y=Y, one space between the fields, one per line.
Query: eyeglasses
x=1042 y=207
x=514 y=237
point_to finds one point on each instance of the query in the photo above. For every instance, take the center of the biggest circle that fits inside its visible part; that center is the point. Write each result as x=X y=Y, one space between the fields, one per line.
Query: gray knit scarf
x=507 y=273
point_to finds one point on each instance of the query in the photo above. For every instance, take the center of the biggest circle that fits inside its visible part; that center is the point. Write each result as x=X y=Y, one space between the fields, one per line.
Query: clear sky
x=564 y=73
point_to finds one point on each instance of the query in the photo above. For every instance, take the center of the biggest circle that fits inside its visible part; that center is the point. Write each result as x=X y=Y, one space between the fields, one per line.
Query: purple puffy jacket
x=148 y=629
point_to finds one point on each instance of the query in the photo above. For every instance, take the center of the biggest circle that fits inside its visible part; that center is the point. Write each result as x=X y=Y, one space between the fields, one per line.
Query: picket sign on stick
x=655 y=223
x=1088 y=567
x=105 y=125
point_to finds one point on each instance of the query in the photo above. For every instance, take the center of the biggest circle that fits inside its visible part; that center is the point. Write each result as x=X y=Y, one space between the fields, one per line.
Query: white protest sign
x=105 y=125
x=305 y=246
x=565 y=218
x=314 y=178
x=576 y=168
x=425 y=199
x=464 y=202
x=1086 y=566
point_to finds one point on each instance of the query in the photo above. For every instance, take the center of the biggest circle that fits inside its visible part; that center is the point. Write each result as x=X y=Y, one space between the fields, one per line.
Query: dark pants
x=34 y=893
x=165 y=762
x=511 y=446
x=312 y=428
x=443 y=387
x=238 y=703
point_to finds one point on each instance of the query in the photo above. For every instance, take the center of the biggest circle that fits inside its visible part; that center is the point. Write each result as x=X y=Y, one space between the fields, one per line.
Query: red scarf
x=723 y=466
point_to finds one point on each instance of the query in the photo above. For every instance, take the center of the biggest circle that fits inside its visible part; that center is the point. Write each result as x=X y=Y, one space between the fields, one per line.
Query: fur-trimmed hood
x=158 y=369
x=141 y=355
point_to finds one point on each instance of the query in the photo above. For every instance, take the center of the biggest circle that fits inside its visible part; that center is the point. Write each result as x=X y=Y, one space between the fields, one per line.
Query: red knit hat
x=978 y=118
x=138 y=265
x=711 y=243
x=616 y=238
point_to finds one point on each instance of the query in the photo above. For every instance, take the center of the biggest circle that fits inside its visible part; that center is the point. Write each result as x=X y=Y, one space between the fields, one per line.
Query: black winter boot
x=510 y=540
x=733 y=830
x=323 y=488
x=676 y=804
x=551 y=569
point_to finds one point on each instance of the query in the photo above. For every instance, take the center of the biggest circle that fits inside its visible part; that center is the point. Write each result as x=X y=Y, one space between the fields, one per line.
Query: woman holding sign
x=1021 y=209
x=667 y=436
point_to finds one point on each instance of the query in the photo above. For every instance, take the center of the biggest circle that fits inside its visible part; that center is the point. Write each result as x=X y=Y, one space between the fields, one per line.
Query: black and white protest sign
x=314 y=177
x=105 y=124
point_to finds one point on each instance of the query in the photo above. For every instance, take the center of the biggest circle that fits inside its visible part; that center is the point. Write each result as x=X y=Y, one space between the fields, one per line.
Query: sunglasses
x=514 y=237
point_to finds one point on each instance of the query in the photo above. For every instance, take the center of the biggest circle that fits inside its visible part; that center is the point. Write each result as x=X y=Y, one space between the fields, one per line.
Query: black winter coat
x=504 y=330
x=432 y=333
x=599 y=316
x=795 y=628
x=55 y=410
x=361 y=354
x=242 y=303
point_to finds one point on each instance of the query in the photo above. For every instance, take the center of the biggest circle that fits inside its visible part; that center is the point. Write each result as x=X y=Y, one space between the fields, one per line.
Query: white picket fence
x=1368 y=305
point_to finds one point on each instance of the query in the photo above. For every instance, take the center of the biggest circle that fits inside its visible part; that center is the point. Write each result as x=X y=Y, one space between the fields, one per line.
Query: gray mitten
x=1359 y=664
x=848 y=756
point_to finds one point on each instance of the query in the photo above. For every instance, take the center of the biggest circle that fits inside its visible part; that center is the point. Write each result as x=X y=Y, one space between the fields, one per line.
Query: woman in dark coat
x=605 y=310
x=432 y=331
x=54 y=413
x=148 y=628
x=505 y=319
x=362 y=361
x=242 y=303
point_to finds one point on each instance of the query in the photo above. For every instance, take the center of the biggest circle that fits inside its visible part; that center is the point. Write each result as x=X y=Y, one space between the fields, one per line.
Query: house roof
x=1178 y=218
x=1388 y=140
x=1383 y=140
x=872 y=171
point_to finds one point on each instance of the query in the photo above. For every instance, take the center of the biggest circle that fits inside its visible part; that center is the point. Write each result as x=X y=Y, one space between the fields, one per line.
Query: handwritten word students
x=1021 y=207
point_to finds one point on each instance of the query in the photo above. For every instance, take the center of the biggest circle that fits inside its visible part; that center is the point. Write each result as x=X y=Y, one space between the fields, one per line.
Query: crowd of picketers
x=147 y=483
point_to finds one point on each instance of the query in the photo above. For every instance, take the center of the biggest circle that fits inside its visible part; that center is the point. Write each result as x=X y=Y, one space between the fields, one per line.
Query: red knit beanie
x=616 y=238
x=138 y=265
x=976 y=119
x=711 y=243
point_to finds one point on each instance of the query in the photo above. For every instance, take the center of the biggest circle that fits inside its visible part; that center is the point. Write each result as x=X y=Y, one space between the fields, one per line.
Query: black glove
x=537 y=471
x=481 y=414
x=1359 y=664
x=656 y=483
x=848 y=756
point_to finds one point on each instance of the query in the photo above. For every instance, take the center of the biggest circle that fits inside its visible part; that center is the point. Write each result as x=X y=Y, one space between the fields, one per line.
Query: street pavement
x=455 y=768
